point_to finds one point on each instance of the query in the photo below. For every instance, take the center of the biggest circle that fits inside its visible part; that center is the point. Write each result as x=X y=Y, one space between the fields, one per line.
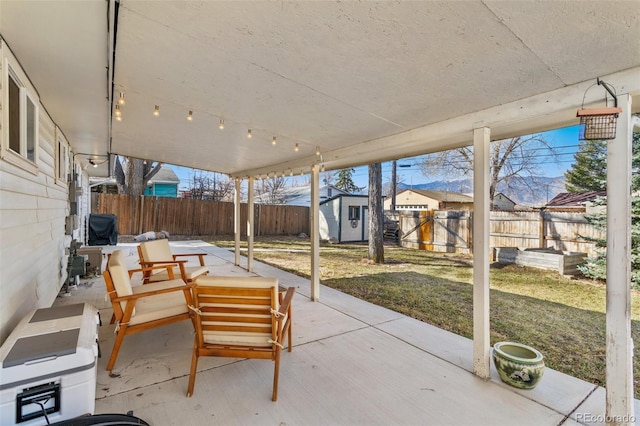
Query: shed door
x=365 y=223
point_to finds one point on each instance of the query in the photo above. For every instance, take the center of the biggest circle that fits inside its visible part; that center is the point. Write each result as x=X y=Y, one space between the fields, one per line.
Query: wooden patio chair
x=157 y=252
x=142 y=307
x=240 y=317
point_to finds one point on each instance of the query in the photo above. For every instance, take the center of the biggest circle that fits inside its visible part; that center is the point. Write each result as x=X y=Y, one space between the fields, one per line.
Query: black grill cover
x=103 y=230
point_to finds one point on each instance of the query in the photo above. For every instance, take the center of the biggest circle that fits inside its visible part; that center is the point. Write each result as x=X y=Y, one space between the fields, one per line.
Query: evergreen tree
x=345 y=181
x=596 y=267
x=589 y=172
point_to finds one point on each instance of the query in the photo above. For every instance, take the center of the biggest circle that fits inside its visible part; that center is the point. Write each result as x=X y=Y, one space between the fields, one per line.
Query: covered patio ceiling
x=361 y=81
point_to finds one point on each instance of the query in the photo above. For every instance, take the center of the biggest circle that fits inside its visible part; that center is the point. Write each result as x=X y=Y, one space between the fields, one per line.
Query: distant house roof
x=505 y=197
x=165 y=175
x=448 y=196
x=574 y=199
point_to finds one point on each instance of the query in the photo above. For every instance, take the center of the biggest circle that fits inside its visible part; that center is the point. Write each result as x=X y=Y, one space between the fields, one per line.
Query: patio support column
x=315 y=233
x=619 y=369
x=236 y=220
x=250 y=227
x=481 y=335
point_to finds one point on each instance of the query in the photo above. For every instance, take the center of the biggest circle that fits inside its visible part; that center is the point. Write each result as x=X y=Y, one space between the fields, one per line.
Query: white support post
x=481 y=334
x=250 y=226
x=619 y=369
x=236 y=220
x=315 y=233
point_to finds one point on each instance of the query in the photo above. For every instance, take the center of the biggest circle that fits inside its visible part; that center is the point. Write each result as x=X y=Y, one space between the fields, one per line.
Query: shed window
x=354 y=212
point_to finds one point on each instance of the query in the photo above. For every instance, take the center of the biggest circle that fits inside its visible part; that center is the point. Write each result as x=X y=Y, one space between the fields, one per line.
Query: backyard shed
x=344 y=218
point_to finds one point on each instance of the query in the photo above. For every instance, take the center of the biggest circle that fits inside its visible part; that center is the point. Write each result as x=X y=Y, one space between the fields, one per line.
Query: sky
x=564 y=140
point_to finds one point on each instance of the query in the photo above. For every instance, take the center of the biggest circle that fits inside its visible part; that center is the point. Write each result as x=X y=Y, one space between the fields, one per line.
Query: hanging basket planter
x=598 y=123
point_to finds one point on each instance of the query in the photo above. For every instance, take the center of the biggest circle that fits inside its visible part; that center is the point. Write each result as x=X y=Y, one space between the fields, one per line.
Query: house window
x=20 y=136
x=62 y=159
x=354 y=212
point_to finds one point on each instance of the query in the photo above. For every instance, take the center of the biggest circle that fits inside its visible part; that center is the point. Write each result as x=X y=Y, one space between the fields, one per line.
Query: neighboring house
x=300 y=195
x=502 y=202
x=575 y=201
x=423 y=199
x=163 y=184
x=345 y=218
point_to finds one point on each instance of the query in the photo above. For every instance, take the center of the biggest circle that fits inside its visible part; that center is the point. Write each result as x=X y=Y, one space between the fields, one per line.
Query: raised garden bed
x=565 y=262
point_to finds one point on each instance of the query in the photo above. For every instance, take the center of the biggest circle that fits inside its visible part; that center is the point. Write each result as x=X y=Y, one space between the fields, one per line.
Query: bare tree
x=210 y=186
x=133 y=174
x=271 y=190
x=511 y=160
x=376 y=214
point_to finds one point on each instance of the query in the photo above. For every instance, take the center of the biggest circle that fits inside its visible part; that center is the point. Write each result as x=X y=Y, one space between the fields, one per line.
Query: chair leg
x=192 y=373
x=116 y=347
x=276 y=373
x=290 y=332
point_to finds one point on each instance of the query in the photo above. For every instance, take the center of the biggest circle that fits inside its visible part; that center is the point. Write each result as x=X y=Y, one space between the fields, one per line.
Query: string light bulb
x=118 y=111
x=273 y=141
x=156 y=111
x=317 y=150
x=119 y=117
x=249 y=134
x=121 y=99
x=190 y=116
x=296 y=148
x=221 y=125
x=322 y=167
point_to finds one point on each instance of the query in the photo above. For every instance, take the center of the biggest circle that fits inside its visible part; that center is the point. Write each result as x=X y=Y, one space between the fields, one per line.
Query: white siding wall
x=33 y=207
x=330 y=220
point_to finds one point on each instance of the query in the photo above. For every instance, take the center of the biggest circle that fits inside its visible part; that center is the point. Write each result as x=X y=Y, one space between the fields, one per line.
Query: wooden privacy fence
x=183 y=216
x=451 y=231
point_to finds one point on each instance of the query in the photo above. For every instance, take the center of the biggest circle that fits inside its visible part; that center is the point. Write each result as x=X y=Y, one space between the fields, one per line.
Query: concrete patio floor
x=353 y=363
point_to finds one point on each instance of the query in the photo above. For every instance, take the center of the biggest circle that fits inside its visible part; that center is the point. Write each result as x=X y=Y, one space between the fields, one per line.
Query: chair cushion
x=120 y=276
x=156 y=251
x=159 y=306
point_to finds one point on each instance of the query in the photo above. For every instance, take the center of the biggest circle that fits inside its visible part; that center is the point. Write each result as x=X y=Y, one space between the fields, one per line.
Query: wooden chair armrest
x=286 y=303
x=200 y=256
x=164 y=265
x=151 y=293
x=162 y=262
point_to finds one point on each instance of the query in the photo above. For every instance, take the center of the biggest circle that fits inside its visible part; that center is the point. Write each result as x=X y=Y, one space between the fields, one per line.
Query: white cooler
x=49 y=365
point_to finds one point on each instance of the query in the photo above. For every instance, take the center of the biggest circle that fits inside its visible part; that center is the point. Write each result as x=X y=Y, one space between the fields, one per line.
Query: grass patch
x=561 y=317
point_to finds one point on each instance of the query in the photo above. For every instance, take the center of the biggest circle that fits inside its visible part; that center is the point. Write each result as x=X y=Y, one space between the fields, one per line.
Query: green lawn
x=563 y=318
